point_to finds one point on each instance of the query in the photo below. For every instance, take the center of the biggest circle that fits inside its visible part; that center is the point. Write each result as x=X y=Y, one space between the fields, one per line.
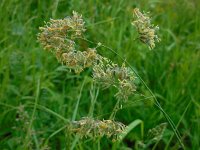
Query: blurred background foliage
x=171 y=71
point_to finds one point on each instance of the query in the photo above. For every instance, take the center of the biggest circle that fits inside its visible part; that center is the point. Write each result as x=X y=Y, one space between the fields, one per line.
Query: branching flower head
x=88 y=127
x=109 y=74
x=147 y=31
x=58 y=35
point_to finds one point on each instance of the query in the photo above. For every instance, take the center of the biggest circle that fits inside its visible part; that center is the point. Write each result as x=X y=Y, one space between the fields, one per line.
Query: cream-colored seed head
x=146 y=31
x=59 y=37
x=92 y=128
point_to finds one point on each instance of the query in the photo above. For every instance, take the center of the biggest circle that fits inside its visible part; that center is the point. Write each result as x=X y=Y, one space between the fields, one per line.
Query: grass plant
x=43 y=99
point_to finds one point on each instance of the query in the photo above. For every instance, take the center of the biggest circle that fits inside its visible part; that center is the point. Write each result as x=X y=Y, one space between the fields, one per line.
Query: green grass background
x=171 y=70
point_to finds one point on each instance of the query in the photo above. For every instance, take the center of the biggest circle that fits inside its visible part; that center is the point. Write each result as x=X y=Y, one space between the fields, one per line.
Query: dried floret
x=89 y=127
x=147 y=31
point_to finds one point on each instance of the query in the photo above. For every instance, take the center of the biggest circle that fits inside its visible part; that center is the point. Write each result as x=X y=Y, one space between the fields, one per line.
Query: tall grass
x=171 y=71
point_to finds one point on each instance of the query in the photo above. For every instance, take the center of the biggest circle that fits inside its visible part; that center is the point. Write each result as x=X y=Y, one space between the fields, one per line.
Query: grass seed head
x=79 y=60
x=58 y=35
x=110 y=74
x=88 y=127
x=147 y=31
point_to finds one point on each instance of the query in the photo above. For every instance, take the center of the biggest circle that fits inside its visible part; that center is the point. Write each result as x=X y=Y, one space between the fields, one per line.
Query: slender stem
x=78 y=101
x=94 y=94
x=178 y=124
x=54 y=133
x=50 y=112
x=115 y=109
x=156 y=101
x=29 y=130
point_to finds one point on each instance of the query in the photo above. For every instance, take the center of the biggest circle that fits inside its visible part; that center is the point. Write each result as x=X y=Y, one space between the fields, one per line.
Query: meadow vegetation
x=124 y=91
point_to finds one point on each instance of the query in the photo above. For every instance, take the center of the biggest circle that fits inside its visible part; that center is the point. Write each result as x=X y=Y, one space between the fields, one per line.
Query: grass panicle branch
x=60 y=35
x=105 y=72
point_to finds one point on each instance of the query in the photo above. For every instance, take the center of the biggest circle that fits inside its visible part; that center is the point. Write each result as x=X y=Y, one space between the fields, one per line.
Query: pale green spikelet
x=110 y=74
x=79 y=60
x=58 y=35
x=92 y=128
x=147 y=31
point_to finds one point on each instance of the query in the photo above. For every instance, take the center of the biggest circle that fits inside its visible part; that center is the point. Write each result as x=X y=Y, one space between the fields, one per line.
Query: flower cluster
x=109 y=74
x=22 y=115
x=157 y=132
x=79 y=60
x=147 y=31
x=154 y=135
x=58 y=36
x=22 y=126
x=88 y=127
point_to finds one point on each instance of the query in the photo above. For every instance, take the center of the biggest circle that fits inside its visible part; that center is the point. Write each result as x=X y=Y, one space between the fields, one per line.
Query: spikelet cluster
x=58 y=36
x=154 y=135
x=157 y=132
x=22 y=125
x=109 y=74
x=88 y=127
x=147 y=31
x=79 y=60
x=22 y=116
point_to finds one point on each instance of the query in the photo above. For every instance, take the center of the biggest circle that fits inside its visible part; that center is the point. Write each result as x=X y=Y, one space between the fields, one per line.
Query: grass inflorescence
x=101 y=88
x=105 y=71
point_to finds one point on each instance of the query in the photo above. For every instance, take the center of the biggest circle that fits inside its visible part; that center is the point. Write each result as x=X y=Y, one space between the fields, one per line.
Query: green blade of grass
x=51 y=112
x=78 y=101
x=168 y=143
x=130 y=127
